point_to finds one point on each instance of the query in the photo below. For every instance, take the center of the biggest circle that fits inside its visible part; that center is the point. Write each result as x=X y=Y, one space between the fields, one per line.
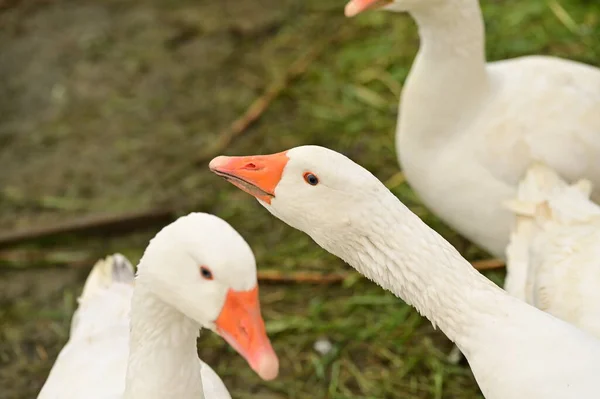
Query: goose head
x=202 y=267
x=354 y=7
x=311 y=188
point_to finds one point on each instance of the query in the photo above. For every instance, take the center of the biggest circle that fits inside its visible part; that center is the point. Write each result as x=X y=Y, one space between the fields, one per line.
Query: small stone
x=323 y=346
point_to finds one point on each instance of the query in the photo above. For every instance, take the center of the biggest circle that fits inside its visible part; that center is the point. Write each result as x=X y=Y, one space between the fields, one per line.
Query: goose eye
x=311 y=179
x=206 y=273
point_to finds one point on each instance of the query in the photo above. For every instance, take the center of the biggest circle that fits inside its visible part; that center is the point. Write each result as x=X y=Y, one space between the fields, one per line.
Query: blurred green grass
x=139 y=90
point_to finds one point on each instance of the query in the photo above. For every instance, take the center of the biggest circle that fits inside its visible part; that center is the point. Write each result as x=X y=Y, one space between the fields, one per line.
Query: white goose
x=468 y=130
x=515 y=350
x=553 y=259
x=139 y=341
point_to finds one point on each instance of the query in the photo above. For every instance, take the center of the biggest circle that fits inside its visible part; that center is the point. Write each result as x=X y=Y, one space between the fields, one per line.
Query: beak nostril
x=250 y=165
x=244 y=330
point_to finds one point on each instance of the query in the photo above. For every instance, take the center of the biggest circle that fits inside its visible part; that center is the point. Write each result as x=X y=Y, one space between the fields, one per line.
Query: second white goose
x=139 y=341
x=468 y=130
x=515 y=350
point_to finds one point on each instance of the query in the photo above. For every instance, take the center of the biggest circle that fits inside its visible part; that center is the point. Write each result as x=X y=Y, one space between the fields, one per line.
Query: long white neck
x=393 y=247
x=448 y=75
x=163 y=359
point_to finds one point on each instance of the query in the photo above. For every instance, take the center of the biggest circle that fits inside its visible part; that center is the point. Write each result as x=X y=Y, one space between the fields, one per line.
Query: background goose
x=468 y=130
x=515 y=350
x=553 y=259
x=139 y=341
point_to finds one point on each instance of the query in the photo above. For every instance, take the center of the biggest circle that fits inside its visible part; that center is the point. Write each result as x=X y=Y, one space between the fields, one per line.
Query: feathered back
x=553 y=258
x=543 y=200
x=111 y=280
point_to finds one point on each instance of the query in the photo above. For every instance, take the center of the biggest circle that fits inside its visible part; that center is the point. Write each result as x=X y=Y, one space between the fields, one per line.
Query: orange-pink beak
x=240 y=322
x=355 y=7
x=258 y=175
x=242 y=326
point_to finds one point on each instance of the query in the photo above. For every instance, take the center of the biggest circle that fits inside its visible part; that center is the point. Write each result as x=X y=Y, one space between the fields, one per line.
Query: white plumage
x=553 y=259
x=93 y=363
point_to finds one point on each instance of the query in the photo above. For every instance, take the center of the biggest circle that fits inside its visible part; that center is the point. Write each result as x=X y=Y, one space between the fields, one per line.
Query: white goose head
x=202 y=267
x=311 y=188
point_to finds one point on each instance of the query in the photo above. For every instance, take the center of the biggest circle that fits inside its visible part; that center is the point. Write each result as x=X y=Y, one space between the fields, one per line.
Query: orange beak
x=258 y=175
x=242 y=326
x=355 y=7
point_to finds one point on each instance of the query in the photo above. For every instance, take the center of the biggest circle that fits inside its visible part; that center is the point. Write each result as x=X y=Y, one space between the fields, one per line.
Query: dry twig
x=276 y=276
x=306 y=277
x=274 y=90
x=488 y=264
x=91 y=225
x=27 y=257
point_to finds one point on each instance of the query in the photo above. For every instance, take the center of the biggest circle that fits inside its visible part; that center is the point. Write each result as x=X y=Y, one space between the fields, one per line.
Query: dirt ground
x=115 y=106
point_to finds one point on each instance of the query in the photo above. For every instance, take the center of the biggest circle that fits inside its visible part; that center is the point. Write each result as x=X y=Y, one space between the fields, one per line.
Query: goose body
x=125 y=342
x=98 y=348
x=468 y=130
x=515 y=350
x=553 y=259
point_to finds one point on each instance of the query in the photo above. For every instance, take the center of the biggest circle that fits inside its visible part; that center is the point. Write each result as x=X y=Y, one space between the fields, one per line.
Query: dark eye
x=206 y=273
x=311 y=179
